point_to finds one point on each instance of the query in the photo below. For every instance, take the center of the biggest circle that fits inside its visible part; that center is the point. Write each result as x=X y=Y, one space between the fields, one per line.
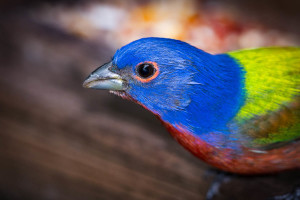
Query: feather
x=271 y=112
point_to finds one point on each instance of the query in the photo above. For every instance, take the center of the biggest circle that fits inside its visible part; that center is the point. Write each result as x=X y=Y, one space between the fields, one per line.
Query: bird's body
x=238 y=111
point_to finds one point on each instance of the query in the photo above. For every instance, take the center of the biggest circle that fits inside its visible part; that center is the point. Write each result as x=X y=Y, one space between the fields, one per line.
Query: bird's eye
x=145 y=70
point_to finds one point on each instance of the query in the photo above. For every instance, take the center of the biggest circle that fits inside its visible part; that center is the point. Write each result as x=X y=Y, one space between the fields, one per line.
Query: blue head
x=185 y=86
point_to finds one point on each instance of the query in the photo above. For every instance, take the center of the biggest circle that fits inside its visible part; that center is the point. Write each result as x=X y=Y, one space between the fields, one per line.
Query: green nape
x=272 y=79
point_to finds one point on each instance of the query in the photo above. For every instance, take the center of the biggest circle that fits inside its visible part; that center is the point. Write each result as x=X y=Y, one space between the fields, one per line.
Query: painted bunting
x=238 y=111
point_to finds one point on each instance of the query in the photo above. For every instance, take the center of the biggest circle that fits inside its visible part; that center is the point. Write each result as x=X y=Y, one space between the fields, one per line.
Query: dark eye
x=145 y=70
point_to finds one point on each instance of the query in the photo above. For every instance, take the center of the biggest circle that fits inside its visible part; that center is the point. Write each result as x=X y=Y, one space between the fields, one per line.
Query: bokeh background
x=60 y=141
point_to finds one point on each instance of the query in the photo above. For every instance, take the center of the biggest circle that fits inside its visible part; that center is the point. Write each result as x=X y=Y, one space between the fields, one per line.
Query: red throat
x=246 y=161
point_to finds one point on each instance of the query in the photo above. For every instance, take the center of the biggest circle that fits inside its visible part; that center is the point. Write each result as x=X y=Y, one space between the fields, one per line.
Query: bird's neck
x=214 y=102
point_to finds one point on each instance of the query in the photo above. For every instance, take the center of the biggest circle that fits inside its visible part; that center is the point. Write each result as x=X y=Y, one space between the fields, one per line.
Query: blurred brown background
x=60 y=141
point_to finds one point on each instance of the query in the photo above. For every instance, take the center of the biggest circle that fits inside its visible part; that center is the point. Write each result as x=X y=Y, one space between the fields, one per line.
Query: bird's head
x=156 y=72
x=163 y=75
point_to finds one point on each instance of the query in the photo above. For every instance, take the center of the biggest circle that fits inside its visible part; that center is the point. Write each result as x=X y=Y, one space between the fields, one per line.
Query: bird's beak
x=103 y=78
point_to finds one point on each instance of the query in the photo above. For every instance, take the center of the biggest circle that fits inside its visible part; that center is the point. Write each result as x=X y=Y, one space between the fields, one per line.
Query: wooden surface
x=60 y=141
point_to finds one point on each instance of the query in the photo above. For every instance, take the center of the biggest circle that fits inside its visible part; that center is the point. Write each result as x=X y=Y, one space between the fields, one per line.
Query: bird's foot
x=294 y=195
x=220 y=178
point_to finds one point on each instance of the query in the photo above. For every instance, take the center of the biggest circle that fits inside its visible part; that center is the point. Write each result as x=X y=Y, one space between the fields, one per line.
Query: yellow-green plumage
x=270 y=112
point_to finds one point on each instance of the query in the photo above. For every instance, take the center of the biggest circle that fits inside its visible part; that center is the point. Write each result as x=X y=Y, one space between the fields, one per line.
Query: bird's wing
x=271 y=111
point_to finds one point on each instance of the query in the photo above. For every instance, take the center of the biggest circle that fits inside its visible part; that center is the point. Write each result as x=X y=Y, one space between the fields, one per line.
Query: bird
x=237 y=111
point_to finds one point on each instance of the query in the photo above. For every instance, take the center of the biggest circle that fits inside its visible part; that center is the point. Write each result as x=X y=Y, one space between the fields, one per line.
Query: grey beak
x=103 y=78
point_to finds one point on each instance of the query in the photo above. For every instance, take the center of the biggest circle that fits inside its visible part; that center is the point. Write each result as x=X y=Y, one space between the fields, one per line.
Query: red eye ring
x=155 y=74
